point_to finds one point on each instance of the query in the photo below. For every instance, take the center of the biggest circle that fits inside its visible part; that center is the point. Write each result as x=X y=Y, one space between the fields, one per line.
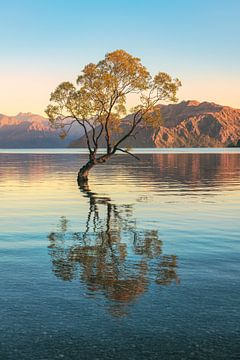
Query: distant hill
x=27 y=130
x=186 y=124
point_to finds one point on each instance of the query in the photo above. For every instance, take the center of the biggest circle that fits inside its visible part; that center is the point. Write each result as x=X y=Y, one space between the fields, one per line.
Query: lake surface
x=142 y=264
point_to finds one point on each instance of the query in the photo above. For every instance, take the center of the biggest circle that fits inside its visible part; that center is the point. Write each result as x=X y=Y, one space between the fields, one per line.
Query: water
x=143 y=264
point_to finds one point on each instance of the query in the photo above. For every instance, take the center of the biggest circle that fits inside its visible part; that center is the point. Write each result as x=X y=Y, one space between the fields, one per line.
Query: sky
x=45 y=42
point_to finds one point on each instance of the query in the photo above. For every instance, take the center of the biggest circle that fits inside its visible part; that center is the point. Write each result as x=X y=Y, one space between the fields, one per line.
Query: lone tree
x=98 y=103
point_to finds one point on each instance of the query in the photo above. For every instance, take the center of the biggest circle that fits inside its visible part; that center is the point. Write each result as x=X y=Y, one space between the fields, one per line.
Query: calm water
x=143 y=264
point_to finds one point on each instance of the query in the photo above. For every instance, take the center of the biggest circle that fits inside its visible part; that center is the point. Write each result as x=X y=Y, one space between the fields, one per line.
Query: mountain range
x=186 y=124
x=27 y=130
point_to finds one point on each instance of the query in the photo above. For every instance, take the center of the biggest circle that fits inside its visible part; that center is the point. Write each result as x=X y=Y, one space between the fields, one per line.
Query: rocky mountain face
x=186 y=124
x=27 y=130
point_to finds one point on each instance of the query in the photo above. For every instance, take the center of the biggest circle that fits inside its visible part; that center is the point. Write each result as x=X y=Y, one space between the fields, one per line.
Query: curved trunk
x=84 y=171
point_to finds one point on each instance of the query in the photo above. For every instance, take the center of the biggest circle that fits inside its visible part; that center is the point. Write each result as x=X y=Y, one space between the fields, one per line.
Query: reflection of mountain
x=112 y=256
x=27 y=130
x=187 y=124
x=190 y=169
x=204 y=170
x=208 y=169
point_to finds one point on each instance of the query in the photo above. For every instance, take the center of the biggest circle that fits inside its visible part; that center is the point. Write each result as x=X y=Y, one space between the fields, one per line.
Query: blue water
x=143 y=264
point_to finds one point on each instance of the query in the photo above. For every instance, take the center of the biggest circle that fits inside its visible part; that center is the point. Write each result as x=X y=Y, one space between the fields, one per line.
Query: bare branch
x=93 y=132
x=134 y=124
x=86 y=134
x=127 y=152
x=100 y=133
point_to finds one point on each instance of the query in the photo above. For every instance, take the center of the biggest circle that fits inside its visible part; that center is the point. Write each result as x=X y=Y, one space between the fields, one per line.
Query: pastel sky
x=45 y=42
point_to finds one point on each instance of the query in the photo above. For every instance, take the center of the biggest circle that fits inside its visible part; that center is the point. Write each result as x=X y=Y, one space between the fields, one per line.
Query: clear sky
x=45 y=42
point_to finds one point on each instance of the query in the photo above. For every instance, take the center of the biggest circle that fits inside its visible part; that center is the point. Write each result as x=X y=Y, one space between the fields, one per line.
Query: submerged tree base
x=83 y=173
x=85 y=169
x=82 y=179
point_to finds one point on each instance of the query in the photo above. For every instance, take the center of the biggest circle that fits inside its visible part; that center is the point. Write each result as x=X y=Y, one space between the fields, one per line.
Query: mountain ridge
x=186 y=124
x=28 y=130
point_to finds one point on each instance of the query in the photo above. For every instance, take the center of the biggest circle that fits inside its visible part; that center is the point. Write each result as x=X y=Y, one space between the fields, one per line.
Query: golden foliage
x=99 y=99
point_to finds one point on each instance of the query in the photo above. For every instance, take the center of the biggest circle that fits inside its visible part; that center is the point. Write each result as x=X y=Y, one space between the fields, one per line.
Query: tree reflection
x=111 y=256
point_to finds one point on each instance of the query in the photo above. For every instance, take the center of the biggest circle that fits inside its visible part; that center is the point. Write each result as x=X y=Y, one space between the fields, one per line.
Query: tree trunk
x=84 y=171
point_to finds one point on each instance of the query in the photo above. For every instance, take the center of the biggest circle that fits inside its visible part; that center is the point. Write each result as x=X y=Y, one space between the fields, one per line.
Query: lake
x=141 y=264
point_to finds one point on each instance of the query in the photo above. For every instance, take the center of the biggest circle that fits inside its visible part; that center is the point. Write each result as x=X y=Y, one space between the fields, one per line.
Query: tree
x=98 y=103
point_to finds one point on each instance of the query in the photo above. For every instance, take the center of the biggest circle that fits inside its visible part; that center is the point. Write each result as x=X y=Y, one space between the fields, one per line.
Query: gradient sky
x=45 y=42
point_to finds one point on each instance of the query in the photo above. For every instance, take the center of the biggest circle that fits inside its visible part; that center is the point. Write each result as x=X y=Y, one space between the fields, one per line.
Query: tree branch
x=93 y=132
x=127 y=152
x=99 y=135
x=134 y=124
x=86 y=134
